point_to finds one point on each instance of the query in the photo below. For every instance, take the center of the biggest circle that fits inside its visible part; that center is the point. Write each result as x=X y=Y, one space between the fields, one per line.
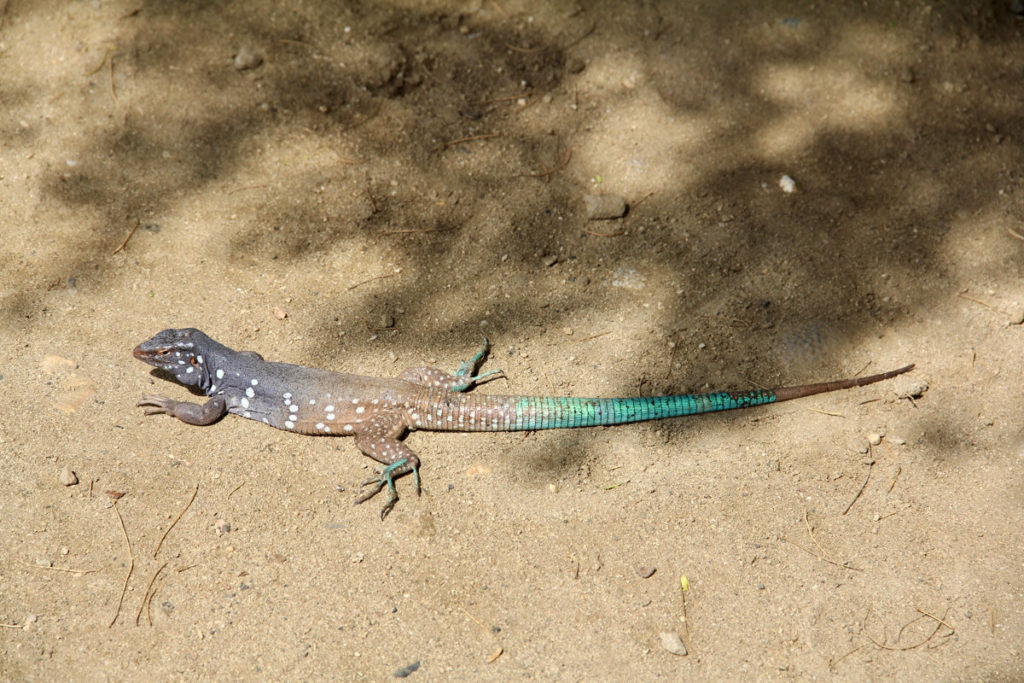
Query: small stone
x=575 y=65
x=672 y=643
x=356 y=558
x=29 y=622
x=406 y=671
x=280 y=313
x=247 y=59
x=604 y=206
x=859 y=445
x=550 y=260
x=1016 y=316
x=910 y=388
x=222 y=527
x=646 y=572
x=874 y=438
x=787 y=184
x=68 y=476
x=387 y=321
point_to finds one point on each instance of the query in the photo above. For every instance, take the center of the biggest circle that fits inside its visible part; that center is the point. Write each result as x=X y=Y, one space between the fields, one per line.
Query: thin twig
x=862 y=487
x=932 y=616
x=149 y=605
x=131 y=565
x=899 y=468
x=145 y=595
x=180 y=515
x=499 y=649
x=235 y=489
x=246 y=187
x=409 y=231
x=593 y=336
x=825 y=412
x=379 y=277
x=821 y=557
x=1015 y=233
x=471 y=138
x=62 y=569
x=603 y=234
x=110 y=63
x=884 y=646
x=977 y=301
x=135 y=227
x=524 y=50
x=106 y=53
x=580 y=39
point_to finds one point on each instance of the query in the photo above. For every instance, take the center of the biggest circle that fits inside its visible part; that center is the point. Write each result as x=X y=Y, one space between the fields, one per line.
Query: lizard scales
x=377 y=411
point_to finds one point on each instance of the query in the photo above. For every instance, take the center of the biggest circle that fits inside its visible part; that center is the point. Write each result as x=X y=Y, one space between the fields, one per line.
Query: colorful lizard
x=377 y=411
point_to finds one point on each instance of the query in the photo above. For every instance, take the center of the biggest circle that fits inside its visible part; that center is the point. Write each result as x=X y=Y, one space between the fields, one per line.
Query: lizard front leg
x=189 y=413
x=378 y=439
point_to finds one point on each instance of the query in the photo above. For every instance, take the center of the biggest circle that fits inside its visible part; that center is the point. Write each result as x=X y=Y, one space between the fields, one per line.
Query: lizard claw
x=385 y=477
x=157 y=405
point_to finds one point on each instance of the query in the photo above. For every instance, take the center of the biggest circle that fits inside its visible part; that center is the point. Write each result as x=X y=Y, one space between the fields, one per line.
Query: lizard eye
x=164 y=352
x=193 y=360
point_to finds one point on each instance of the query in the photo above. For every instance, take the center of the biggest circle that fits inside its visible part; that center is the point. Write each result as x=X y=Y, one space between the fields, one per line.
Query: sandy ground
x=369 y=186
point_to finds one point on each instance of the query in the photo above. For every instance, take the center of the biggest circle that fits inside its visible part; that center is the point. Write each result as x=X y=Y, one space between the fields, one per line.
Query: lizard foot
x=386 y=477
x=157 y=405
x=463 y=378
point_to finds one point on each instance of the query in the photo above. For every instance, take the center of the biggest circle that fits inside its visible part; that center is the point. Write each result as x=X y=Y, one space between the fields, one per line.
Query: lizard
x=379 y=411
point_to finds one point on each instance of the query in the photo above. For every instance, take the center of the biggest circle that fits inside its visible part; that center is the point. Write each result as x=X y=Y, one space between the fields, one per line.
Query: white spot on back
x=249 y=392
x=361 y=409
x=220 y=374
x=293 y=409
x=245 y=402
x=289 y=424
x=255 y=382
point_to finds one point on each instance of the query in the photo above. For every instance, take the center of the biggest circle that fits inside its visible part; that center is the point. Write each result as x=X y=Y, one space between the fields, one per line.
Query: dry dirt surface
x=815 y=190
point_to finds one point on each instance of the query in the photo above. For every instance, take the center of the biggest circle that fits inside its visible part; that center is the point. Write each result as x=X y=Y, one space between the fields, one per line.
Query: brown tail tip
x=789 y=393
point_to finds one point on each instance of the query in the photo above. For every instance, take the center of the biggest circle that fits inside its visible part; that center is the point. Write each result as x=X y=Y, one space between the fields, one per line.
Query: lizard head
x=178 y=352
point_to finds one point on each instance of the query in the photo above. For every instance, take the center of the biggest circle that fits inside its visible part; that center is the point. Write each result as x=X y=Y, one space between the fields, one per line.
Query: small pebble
x=672 y=643
x=405 y=671
x=247 y=59
x=68 y=476
x=646 y=572
x=911 y=388
x=575 y=65
x=604 y=206
x=280 y=313
x=550 y=260
x=874 y=438
x=30 y=621
x=787 y=184
x=1016 y=316
x=222 y=527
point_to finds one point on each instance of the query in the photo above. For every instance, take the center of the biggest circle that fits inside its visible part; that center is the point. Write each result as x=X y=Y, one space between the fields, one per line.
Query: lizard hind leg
x=378 y=439
x=462 y=380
